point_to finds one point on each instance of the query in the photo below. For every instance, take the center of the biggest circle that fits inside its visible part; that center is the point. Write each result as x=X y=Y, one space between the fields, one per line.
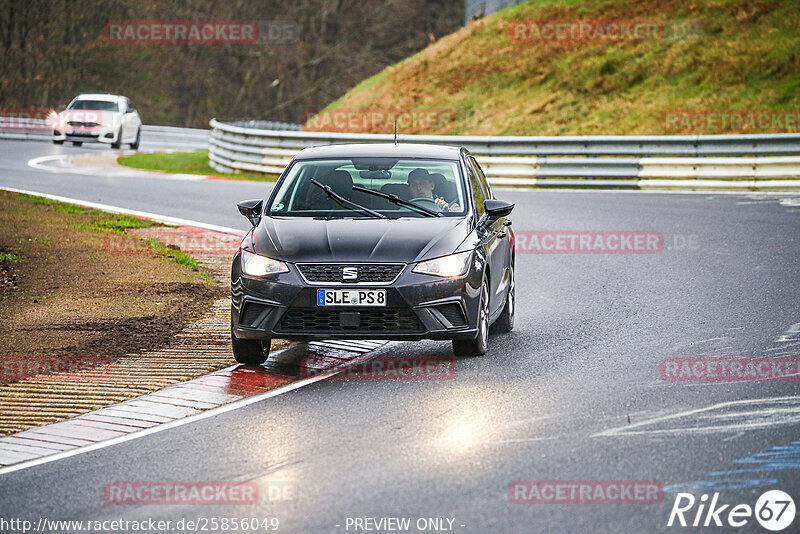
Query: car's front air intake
x=314 y=320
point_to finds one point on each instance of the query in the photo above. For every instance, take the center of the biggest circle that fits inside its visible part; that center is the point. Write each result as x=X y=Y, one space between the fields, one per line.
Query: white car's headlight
x=255 y=265
x=446 y=266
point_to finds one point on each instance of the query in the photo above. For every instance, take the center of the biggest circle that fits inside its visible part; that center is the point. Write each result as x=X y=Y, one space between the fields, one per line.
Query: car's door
x=503 y=232
x=492 y=238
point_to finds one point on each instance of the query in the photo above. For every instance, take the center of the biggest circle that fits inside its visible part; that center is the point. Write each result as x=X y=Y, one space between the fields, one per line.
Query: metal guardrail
x=265 y=125
x=24 y=128
x=717 y=160
x=745 y=161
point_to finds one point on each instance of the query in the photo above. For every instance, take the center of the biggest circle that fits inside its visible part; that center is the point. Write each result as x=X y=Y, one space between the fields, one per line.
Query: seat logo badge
x=350 y=273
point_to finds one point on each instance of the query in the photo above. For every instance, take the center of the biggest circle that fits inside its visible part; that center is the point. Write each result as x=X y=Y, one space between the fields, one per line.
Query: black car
x=375 y=241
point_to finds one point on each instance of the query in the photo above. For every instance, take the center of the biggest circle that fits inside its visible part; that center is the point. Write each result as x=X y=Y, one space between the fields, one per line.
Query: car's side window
x=484 y=182
x=478 y=195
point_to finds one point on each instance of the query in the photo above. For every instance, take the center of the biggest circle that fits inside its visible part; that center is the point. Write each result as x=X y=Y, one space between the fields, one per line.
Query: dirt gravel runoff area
x=96 y=308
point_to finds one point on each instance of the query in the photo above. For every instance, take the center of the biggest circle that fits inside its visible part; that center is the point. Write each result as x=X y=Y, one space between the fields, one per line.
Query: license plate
x=351 y=297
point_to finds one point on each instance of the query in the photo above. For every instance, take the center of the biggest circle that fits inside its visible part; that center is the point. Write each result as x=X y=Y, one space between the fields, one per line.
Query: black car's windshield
x=94 y=105
x=432 y=186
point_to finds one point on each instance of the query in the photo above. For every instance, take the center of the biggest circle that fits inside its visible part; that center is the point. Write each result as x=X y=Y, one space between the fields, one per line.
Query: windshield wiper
x=346 y=203
x=399 y=201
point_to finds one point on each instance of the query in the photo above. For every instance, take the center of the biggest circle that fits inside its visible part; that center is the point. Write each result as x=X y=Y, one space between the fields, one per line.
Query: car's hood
x=302 y=239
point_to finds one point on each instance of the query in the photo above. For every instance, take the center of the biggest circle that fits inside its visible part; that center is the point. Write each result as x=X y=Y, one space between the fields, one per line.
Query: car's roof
x=102 y=98
x=380 y=150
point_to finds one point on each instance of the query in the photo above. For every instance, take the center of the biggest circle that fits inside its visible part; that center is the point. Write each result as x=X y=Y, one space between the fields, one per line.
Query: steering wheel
x=427 y=202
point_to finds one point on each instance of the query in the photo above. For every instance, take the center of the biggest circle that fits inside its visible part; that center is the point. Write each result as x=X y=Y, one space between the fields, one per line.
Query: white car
x=92 y=118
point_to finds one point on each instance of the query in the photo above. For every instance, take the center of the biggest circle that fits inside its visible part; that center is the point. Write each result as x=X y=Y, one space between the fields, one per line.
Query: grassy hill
x=707 y=60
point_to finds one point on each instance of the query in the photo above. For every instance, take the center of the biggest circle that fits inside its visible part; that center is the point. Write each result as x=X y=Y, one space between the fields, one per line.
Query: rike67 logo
x=774 y=511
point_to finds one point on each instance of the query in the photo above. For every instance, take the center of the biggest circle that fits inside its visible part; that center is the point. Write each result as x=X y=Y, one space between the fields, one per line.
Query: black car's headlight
x=256 y=265
x=446 y=266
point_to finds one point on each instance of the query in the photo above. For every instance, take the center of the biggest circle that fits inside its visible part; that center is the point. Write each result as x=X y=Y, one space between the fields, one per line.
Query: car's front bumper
x=87 y=136
x=417 y=307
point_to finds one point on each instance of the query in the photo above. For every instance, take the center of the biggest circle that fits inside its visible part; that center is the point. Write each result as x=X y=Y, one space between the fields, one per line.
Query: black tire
x=58 y=142
x=250 y=351
x=479 y=345
x=118 y=142
x=505 y=323
x=77 y=143
x=135 y=144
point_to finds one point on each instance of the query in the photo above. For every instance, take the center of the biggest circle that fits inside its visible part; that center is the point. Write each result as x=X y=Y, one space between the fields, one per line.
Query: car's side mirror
x=252 y=210
x=129 y=110
x=496 y=209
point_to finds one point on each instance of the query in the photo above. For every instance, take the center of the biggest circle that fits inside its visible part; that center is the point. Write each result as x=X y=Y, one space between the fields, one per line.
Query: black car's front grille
x=313 y=320
x=364 y=272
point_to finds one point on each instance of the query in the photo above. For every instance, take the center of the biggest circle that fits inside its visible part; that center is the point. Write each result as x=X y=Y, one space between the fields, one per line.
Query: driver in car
x=421 y=185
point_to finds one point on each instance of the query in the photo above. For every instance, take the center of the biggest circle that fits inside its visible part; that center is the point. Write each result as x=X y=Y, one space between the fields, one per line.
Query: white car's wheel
x=118 y=142
x=135 y=143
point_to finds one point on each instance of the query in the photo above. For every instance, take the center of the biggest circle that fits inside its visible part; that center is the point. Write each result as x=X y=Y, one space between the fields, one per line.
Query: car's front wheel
x=479 y=345
x=505 y=323
x=250 y=351
x=57 y=142
x=118 y=142
x=135 y=144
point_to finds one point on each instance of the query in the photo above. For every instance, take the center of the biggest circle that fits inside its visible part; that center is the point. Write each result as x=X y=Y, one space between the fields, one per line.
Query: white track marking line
x=39 y=163
x=625 y=430
x=792 y=334
x=166 y=219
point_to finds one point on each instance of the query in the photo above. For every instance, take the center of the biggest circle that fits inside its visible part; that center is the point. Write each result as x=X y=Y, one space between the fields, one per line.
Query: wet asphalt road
x=574 y=393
